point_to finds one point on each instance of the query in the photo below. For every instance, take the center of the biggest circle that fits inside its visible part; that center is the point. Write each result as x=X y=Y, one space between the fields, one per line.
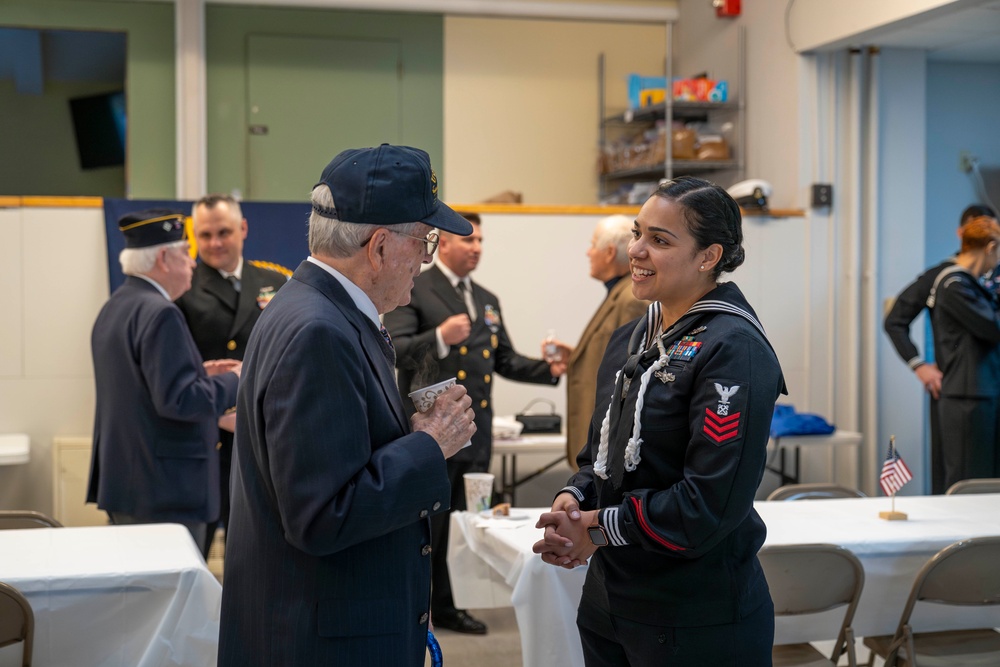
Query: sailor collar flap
x=651 y=351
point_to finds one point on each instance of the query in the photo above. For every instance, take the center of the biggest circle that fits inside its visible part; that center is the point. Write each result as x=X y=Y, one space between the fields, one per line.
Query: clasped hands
x=566 y=542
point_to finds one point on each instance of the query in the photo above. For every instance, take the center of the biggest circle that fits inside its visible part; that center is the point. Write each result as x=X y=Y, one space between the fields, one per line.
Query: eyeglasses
x=430 y=241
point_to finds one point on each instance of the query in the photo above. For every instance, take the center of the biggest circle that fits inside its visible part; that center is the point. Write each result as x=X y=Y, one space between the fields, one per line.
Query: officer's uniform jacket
x=219 y=317
x=487 y=351
x=683 y=532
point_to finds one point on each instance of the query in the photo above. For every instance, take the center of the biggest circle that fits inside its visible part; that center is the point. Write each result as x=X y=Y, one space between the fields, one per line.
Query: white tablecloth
x=492 y=565
x=113 y=596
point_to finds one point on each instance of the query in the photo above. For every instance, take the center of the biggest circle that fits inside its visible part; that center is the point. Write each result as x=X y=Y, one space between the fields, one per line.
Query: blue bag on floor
x=786 y=421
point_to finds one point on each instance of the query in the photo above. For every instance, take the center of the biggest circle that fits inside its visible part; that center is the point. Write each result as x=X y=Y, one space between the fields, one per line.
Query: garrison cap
x=151 y=227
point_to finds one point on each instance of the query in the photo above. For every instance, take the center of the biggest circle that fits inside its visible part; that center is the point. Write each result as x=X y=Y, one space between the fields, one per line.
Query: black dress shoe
x=459 y=621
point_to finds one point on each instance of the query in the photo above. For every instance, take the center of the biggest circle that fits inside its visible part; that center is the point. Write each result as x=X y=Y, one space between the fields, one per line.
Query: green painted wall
x=38 y=144
x=226 y=31
x=149 y=77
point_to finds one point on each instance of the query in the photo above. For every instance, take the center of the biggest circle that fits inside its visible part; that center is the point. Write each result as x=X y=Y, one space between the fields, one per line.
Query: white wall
x=521 y=103
x=821 y=24
x=54 y=276
x=708 y=43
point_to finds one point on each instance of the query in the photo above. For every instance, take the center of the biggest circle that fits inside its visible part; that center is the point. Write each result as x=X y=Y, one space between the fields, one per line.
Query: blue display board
x=278 y=232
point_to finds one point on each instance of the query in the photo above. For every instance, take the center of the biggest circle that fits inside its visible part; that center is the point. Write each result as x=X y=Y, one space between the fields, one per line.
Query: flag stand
x=893 y=515
x=890 y=480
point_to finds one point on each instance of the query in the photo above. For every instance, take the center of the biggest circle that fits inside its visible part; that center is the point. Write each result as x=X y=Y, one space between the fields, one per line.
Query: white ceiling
x=966 y=35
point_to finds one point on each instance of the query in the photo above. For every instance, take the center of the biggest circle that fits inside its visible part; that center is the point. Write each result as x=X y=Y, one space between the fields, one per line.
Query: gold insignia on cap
x=169 y=221
x=434 y=183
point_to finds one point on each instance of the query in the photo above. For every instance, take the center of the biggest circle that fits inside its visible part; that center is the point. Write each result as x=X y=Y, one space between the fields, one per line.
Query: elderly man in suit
x=328 y=555
x=226 y=297
x=158 y=404
x=452 y=327
x=608 y=255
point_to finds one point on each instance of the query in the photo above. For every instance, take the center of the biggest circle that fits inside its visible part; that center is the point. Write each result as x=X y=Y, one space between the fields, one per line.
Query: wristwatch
x=598 y=536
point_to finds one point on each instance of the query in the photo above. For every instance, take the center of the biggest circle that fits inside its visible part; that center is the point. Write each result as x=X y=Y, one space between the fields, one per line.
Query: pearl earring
x=702 y=267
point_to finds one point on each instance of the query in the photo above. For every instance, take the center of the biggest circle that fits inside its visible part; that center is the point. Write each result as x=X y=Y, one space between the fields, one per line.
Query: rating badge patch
x=723 y=416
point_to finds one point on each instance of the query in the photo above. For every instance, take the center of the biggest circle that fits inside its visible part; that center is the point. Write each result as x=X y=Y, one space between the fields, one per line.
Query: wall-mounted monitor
x=99 y=125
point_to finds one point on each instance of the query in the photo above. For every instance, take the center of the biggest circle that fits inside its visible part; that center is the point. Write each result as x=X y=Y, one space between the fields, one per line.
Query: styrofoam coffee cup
x=478 y=491
x=424 y=397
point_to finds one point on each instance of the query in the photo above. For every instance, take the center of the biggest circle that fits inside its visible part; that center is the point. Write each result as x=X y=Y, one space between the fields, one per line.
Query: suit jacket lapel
x=250 y=285
x=446 y=291
x=606 y=306
x=479 y=297
x=212 y=282
x=368 y=335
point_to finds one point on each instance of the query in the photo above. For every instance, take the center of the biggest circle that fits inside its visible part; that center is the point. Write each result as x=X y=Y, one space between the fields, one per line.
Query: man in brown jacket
x=608 y=254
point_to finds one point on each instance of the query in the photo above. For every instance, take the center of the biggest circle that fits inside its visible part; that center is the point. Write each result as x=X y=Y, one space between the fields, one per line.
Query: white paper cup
x=424 y=397
x=478 y=491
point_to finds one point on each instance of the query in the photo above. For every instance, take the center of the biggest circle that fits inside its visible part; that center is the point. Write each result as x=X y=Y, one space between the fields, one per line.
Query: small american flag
x=894 y=471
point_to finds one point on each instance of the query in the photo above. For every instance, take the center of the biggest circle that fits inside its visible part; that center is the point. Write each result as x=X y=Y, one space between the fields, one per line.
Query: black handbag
x=544 y=423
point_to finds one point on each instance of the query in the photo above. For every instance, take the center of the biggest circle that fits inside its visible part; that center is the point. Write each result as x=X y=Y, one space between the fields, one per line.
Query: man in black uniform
x=452 y=328
x=908 y=304
x=226 y=297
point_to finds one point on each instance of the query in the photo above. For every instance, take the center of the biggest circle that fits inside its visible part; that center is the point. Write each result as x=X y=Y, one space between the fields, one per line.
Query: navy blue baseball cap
x=387 y=185
x=151 y=227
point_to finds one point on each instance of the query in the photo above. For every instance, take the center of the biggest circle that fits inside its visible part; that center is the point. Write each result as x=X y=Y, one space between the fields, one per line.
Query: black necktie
x=388 y=350
x=470 y=303
x=234 y=281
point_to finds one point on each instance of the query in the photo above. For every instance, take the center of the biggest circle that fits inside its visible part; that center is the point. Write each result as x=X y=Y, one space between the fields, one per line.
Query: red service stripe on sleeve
x=721 y=421
x=720 y=438
x=721 y=430
x=637 y=505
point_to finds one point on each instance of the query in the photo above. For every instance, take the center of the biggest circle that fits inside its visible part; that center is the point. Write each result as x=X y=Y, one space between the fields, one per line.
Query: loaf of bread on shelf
x=501 y=509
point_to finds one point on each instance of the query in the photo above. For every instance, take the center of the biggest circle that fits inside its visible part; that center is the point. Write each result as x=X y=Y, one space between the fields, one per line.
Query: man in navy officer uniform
x=226 y=297
x=158 y=405
x=452 y=327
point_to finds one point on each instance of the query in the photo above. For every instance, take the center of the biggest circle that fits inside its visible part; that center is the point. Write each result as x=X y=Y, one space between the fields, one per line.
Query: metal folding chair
x=964 y=573
x=17 y=621
x=17 y=519
x=813 y=491
x=981 y=485
x=812 y=579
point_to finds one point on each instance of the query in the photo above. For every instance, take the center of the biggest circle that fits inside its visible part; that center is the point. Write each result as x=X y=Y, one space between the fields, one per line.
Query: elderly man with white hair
x=608 y=255
x=158 y=404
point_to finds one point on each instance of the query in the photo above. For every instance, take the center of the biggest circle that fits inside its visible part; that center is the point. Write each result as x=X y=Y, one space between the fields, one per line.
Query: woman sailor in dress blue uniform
x=662 y=506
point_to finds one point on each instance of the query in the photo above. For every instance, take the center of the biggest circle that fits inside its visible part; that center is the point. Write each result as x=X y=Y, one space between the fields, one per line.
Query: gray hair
x=615 y=230
x=140 y=261
x=329 y=236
